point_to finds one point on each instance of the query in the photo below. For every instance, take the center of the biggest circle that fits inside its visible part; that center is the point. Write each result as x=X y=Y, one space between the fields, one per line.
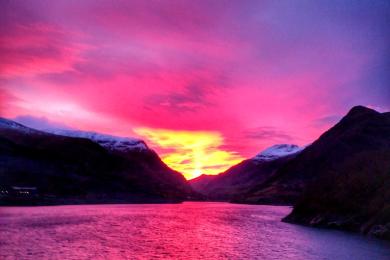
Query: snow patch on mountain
x=277 y=151
x=113 y=143
x=9 y=124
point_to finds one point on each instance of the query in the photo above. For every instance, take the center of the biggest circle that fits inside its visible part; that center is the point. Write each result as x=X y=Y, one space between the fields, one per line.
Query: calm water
x=173 y=231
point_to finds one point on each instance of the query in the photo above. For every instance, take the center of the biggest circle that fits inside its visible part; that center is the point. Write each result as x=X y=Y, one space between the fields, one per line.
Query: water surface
x=172 y=231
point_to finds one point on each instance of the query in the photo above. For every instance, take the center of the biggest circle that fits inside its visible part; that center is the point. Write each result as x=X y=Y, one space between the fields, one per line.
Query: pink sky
x=250 y=73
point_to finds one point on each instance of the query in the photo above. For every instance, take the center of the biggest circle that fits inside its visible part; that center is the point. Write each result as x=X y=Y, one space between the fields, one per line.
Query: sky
x=205 y=83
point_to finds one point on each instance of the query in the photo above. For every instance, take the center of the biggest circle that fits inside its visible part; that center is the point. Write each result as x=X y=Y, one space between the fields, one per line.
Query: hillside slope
x=66 y=169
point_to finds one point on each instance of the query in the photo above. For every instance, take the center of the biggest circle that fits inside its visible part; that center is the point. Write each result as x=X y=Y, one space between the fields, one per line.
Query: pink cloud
x=29 y=50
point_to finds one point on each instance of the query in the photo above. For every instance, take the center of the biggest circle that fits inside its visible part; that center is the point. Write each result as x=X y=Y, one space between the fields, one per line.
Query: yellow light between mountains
x=191 y=152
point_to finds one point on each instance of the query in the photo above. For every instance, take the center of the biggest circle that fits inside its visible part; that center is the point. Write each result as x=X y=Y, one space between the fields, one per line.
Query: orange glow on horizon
x=191 y=152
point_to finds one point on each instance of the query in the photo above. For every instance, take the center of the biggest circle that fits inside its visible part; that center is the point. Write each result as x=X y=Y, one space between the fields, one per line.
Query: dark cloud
x=268 y=133
x=66 y=77
x=193 y=97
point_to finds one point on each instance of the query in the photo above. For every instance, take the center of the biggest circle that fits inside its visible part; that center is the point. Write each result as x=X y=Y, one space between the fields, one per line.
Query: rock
x=380 y=231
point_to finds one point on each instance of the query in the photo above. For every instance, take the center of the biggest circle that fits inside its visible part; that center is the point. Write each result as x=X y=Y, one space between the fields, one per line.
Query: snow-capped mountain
x=278 y=151
x=246 y=175
x=59 y=164
x=123 y=144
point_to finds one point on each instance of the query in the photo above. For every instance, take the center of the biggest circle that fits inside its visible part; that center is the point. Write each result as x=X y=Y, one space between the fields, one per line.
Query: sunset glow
x=224 y=79
x=191 y=152
x=194 y=129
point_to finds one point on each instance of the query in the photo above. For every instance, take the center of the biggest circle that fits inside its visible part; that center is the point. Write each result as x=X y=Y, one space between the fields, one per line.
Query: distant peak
x=361 y=110
x=278 y=151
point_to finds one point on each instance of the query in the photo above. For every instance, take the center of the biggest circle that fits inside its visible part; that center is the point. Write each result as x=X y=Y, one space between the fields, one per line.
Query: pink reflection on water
x=171 y=231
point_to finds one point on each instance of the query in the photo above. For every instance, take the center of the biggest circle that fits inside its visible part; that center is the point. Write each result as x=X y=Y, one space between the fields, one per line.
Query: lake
x=191 y=230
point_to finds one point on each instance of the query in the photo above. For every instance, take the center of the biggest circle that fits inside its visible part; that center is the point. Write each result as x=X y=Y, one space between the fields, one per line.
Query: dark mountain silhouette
x=346 y=173
x=245 y=176
x=362 y=130
x=342 y=180
x=61 y=169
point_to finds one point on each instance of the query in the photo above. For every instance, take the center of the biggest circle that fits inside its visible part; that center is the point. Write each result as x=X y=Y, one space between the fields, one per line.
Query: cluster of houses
x=17 y=193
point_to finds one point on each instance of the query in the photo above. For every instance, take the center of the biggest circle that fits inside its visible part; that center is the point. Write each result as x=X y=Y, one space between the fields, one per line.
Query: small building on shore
x=18 y=192
x=24 y=191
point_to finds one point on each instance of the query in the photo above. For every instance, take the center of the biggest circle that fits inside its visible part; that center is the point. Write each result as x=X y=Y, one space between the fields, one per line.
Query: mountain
x=112 y=143
x=277 y=151
x=82 y=167
x=347 y=176
x=243 y=177
x=361 y=131
x=342 y=180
